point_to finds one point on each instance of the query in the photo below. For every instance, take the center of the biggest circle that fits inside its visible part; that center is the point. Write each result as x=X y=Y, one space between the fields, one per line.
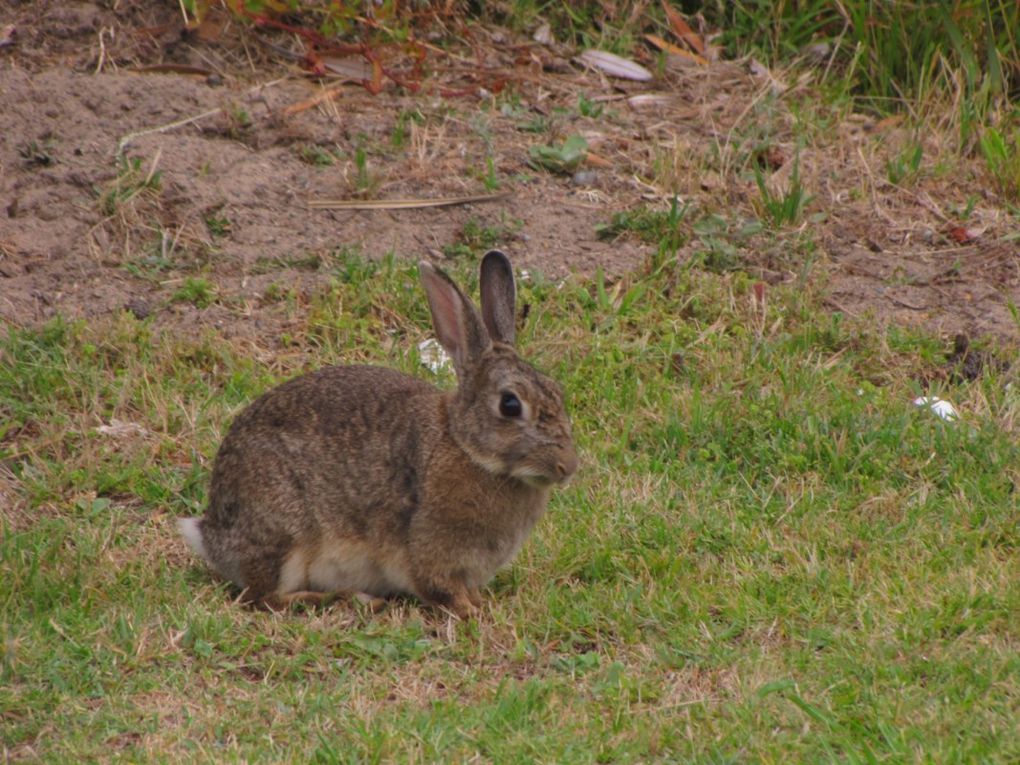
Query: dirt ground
x=136 y=156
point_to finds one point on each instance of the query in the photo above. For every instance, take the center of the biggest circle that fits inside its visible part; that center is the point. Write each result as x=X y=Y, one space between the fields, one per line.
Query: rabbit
x=363 y=481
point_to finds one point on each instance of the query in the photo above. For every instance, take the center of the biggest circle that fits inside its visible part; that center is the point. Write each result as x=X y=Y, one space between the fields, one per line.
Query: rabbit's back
x=317 y=481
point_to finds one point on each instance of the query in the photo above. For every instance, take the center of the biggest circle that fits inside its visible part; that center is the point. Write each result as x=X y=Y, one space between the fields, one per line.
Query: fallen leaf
x=683 y=55
x=682 y=29
x=350 y=67
x=615 y=66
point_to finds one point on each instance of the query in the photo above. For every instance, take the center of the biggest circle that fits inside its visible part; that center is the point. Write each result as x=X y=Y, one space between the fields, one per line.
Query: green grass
x=783 y=207
x=661 y=227
x=888 y=54
x=200 y=292
x=904 y=167
x=1002 y=156
x=133 y=180
x=769 y=555
x=476 y=237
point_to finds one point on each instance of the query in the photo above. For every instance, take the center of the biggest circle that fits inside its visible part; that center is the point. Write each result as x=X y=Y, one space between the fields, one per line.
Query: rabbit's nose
x=566 y=464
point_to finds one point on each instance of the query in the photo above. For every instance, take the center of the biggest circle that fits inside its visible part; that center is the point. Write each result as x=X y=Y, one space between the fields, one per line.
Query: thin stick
x=308 y=103
x=400 y=204
x=127 y=139
x=102 y=52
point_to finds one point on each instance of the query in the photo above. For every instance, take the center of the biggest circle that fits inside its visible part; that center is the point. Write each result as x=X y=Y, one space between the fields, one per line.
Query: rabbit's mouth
x=557 y=471
x=536 y=481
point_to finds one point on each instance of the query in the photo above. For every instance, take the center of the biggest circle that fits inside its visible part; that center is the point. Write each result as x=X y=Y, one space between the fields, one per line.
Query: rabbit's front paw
x=456 y=597
x=464 y=606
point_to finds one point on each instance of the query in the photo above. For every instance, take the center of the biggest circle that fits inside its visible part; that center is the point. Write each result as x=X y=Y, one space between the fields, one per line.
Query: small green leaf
x=559 y=159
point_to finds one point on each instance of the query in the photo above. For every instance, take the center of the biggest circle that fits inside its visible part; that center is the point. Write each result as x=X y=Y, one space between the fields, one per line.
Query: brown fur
x=362 y=479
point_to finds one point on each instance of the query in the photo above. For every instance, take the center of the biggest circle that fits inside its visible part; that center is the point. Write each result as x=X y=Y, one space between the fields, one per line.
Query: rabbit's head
x=507 y=416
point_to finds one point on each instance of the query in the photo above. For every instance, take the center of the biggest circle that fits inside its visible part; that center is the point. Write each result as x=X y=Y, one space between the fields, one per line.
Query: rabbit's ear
x=456 y=320
x=499 y=294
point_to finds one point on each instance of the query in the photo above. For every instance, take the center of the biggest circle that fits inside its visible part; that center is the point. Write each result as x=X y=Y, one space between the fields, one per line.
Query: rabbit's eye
x=510 y=405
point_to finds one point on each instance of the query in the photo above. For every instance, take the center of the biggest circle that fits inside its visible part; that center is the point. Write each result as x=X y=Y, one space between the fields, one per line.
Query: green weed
x=1002 y=156
x=398 y=137
x=133 y=180
x=200 y=292
x=491 y=177
x=218 y=225
x=564 y=158
x=239 y=121
x=37 y=153
x=660 y=227
x=366 y=182
x=318 y=156
x=589 y=108
x=476 y=237
x=721 y=241
x=308 y=262
x=783 y=207
x=905 y=166
x=150 y=267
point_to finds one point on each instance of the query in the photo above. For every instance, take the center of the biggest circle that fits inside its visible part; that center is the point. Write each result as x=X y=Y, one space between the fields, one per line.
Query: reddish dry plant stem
x=261 y=20
x=319 y=46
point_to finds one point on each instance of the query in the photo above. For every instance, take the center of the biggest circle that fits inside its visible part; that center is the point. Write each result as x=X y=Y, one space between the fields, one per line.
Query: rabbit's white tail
x=192 y=535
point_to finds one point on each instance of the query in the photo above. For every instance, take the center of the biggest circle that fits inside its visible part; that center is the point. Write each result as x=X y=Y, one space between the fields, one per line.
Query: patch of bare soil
x=137 y=158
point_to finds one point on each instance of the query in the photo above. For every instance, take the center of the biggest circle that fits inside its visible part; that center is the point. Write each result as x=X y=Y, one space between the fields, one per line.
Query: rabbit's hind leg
x=305 y=598
x=313 y=599
x=293 y=587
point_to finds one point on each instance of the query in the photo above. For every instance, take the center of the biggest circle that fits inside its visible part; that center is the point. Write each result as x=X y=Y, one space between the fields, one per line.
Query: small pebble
x=584 y=178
